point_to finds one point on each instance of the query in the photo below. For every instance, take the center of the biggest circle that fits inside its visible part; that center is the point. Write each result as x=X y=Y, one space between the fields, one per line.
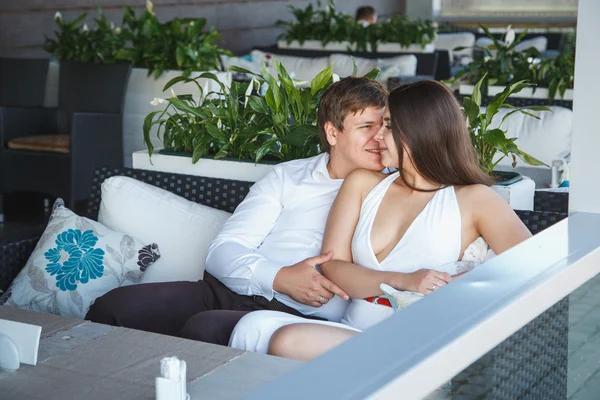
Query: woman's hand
x=423 y=281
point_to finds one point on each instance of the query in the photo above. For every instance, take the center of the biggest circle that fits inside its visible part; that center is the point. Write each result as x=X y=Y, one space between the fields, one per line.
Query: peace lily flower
x=150 y=7
x=173 y=94
x=335 y=77
x=85 y=28
x=118 y=30
x=249 y=90
x=58 y=16
x=487 y=58
x=219 y=124
x=157 y=100
x=510 y=35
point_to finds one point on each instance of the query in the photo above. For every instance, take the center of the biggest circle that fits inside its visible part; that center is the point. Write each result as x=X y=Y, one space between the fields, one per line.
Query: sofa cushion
x=544 y=139
x=182 y=228
x=301 y=68
x=450 y=41
x=52 y=143
x=76 y=261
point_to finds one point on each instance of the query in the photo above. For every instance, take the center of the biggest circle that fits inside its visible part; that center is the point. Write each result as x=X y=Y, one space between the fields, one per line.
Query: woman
x=392 y=229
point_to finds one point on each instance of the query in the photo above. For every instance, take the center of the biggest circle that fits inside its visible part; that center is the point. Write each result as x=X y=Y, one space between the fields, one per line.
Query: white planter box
x=238 y=170
x=519 y=195
x=141 y=89
x=527 y=93
x=343 y=46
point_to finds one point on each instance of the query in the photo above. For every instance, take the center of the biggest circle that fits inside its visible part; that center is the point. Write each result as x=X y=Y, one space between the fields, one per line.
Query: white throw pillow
x=182 y=228
x=301 y=68
x=342 y=64
x=76 y=261
x=450 y=41
x=405 y=65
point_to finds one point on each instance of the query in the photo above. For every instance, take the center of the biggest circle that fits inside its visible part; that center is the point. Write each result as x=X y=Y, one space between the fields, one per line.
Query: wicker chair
x=532 y=363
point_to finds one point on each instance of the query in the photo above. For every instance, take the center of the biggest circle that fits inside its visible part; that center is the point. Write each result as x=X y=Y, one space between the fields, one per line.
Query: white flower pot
x=237 y=170
x=527 y=93
x=343 y=46
x=141 y=89
x=519 y=195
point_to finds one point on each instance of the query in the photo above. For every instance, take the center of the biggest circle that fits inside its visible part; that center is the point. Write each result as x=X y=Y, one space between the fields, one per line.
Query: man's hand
x=423 y=281
x=303 y=283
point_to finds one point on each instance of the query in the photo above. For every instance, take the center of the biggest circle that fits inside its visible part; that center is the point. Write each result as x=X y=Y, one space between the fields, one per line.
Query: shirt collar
x=320 y=172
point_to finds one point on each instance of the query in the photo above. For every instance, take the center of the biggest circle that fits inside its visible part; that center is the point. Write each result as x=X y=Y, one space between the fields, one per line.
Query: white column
x=424 y=9
x=585 y=141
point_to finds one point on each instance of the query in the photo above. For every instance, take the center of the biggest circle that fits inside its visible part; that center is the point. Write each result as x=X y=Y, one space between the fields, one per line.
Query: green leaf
x=216 y=133
x=180 y=56
x=173 y=81
x=234 y=68
x=148 y=123
x=471 y=109
x=300 y=134
x=530 y=159
x=477 y=90
x=258 y=104
x=321 y=79
x=373 y=74
x=354 y=66
x=186 y=108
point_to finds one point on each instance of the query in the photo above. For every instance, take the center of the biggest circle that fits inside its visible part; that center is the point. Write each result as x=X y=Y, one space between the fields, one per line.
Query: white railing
x=414 y=352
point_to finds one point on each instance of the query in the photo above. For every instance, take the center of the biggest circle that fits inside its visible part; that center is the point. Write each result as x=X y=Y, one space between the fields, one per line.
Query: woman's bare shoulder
x=363 y=179
x=477 y=195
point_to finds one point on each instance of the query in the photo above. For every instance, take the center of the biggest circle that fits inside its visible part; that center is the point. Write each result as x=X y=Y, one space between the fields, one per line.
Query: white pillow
x=182 y=228
x=450 y=41
x=544 y=139
x=302 y=68
x=342 y=64
x=405 y=65
x=76 y=261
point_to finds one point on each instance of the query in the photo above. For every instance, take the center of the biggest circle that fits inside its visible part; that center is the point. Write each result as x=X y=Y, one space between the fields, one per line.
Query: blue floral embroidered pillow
x=76 y=261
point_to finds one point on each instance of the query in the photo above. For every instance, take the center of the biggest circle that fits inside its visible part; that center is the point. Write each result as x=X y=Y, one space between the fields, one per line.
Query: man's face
x=355 y=146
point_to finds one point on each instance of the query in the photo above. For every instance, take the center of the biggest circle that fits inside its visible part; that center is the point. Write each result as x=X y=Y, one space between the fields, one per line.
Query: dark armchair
x=54 y=150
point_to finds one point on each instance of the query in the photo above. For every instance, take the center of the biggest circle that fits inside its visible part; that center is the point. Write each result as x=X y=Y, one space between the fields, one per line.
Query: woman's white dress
x=431 y=241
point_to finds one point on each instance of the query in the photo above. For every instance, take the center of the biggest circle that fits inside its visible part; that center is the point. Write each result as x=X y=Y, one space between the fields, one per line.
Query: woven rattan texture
x=530 y=364
x=223 y=194
x=523 y=102
x=557 y=202
x=13 y=257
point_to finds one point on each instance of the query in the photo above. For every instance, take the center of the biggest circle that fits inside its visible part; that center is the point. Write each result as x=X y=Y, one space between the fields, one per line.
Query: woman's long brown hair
x=428 y=122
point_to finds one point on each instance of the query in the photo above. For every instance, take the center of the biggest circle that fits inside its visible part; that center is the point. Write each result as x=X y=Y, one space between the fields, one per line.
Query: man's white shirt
x=280 y=223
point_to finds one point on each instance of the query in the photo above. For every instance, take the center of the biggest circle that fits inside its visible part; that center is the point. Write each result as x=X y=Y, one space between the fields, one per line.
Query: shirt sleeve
x=232 y=256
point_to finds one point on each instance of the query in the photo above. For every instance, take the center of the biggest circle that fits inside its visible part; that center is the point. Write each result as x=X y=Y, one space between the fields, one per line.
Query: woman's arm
x=495 y=220
x=357 y=281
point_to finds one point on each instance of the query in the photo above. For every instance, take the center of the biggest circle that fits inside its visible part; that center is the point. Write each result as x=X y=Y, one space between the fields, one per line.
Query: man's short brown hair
x=348 y=95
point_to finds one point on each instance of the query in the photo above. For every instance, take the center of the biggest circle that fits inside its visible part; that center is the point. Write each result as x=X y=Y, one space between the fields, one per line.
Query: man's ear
x=331 y=133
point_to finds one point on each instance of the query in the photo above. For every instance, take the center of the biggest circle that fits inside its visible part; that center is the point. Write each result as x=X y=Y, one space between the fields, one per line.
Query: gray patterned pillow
x=76 y=261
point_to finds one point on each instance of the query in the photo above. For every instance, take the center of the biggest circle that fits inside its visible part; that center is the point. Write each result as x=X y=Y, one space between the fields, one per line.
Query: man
x=366 y=15
x=266 y=255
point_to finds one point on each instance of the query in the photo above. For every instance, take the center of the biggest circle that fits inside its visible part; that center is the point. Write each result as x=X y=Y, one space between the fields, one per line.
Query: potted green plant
x=159 y=52
x=74 y=43
x=504 y=65
x=491 y=144
x=239 y=132
x=328 y=29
